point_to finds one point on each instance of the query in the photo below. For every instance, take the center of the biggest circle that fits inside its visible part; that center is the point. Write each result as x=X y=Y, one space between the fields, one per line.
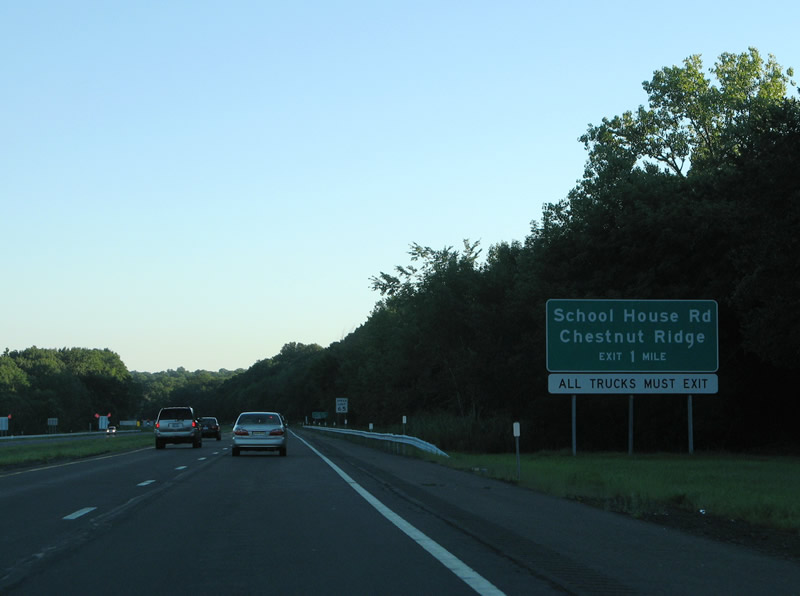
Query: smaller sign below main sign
x=684 y=384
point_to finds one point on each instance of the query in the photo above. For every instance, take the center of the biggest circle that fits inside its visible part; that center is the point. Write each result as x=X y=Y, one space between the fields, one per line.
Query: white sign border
x=632 y=383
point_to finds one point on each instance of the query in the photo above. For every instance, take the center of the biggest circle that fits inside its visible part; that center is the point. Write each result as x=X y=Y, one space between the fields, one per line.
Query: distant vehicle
x=210 y=427
x=259 y=431
x=177 y=425
x=111 y=430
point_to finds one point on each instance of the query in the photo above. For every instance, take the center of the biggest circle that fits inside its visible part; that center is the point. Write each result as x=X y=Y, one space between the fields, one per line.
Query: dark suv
x=177 y=425
x=210 y=427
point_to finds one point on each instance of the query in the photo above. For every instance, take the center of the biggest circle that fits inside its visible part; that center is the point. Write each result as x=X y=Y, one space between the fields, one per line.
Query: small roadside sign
x=341 y=405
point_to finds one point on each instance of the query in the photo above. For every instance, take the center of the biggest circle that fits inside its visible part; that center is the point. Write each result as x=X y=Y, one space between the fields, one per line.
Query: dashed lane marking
x=79 y=513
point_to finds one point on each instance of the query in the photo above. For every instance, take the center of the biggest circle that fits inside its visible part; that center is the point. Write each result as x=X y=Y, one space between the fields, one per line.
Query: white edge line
x=463 y=571
x=79 y=513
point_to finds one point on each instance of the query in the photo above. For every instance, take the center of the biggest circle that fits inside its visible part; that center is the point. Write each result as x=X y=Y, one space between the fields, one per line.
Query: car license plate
x=259 y=432
x=175 y=425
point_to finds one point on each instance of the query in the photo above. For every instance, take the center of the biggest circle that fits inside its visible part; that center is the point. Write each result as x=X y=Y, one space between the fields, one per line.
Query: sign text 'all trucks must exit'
x=646 y=336
x=639 y=383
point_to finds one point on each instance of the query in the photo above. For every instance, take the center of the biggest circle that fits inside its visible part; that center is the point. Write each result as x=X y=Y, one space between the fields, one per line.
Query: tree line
x=74 y=385
x=69 y=384
x=694 y=196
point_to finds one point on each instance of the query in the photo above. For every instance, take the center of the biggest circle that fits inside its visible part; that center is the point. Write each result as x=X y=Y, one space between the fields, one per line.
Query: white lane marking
x=146 y=482
x=181 y=468
x=200 y=458
x=79 y=513
x=463 y=571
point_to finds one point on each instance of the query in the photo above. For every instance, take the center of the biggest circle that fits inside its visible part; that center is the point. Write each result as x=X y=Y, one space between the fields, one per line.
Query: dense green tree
x=689 y=120
x=12 y=378
x=765 y=182
x=198 y=389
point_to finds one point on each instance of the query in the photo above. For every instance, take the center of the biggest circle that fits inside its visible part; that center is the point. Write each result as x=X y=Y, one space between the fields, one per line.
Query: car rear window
x=175 y=414
x=259 y=419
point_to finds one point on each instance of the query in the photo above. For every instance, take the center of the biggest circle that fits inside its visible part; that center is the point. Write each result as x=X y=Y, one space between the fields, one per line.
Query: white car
x=259 y=431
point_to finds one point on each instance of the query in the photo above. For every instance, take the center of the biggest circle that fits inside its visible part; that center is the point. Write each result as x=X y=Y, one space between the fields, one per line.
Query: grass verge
x=27 y=452
x=757 y=490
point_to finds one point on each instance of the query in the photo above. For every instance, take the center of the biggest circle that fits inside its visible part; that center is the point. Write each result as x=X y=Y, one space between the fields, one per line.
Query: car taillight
x=241 y=432
x=277 y=431
x=158 y=425
x=194 y=424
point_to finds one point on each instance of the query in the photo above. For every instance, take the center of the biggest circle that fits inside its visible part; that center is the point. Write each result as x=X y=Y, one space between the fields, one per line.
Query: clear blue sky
x=197 y=183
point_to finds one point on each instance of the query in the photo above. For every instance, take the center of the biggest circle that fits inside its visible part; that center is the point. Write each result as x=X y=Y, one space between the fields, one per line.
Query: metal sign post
x=691 y=426
x=630 y=425
x=574 y=426
x=516 y=438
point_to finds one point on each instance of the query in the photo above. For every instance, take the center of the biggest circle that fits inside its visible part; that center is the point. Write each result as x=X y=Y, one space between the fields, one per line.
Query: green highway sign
x=647 y=336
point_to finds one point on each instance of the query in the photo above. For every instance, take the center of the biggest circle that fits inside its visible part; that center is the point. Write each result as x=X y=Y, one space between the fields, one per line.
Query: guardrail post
x=691 y=427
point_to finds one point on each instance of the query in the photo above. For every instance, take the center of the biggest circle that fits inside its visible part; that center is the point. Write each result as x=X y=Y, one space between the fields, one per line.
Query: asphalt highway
x=336 y=518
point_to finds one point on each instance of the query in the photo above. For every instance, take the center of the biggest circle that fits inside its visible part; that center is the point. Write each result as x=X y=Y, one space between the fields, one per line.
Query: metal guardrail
x=388 y=437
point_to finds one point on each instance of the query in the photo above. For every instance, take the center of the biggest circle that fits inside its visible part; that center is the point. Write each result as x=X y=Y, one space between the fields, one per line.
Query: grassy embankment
x=758 y=490
x=31 y=452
